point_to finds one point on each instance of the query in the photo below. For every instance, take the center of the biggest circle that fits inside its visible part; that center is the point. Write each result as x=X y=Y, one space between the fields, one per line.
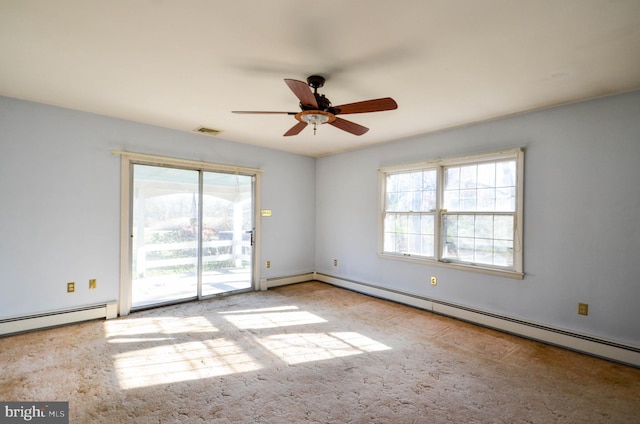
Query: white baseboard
x=55 y=318
x=286 y=280
x=606 y=349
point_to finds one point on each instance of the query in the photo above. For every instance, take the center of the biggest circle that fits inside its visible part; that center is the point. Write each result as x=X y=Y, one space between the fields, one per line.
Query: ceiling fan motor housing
x=324 y=104
x=315 y=81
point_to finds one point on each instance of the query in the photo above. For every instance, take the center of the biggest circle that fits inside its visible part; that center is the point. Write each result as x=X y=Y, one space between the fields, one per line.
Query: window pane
x=450 y=225
x=420 y=245
x=404 y=182
x=483 y=251
x=503 y=253
x=404 y=200
x=450 y=231
x=392 y=183
x=416 y=201
x=389 y=242
x=503 y=227
x=416 y=180
x=506 y=199
x=429 y=180
x=414 y=224
x=486 y=175
x=506 y=174
x=428 y=200
x=465 y=249
x=392 y=201
x=450 y=248
x=390 y=222
x=401 y=223
x=414 y=243
x=427 y=224
x=390 y=238
x=468 y=176
x=452 y=200
x=466 y=226
x=428 y=245
x=452 y=179
x=467 y=200
x=486 y=199
x=484 y=226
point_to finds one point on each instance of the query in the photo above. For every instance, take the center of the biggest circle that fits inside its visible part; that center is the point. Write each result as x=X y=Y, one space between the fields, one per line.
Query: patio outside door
x=192 y=234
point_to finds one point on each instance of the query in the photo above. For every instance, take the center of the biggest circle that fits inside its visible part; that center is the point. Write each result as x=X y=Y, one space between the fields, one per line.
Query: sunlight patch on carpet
x=172 y=363
x=159 y=353
x=284 y=316
x=126 y=327
x=298 y=348
x=137 y=339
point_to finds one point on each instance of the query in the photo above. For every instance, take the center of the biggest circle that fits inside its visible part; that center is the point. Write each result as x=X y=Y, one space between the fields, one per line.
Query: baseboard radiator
x=21 y=324
x=268 y=283
x=606 y=349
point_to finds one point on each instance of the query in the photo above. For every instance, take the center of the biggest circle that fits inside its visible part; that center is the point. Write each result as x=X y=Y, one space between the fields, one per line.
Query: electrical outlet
x=583 y=308
x=434 y=281
x=335 y=262
x=92 y=283
x=268 y=264
x=71 y=287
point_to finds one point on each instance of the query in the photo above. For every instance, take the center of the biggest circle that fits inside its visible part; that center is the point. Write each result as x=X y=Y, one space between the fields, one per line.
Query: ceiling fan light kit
x=316 y=109
x=315 y=118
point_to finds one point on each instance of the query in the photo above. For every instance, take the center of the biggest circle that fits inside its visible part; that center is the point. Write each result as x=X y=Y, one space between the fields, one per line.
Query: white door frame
x=126 y=185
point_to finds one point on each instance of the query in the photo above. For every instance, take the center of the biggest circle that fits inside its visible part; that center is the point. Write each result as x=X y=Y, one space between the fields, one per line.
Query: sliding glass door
x=227 y=233
x=192 y=234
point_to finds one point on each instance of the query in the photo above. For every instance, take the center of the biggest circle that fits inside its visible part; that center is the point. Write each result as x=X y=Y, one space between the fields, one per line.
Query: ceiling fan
x=316 y=109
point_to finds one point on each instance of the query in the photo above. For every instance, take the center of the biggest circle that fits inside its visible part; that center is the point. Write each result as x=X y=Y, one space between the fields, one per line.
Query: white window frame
x=515 y=270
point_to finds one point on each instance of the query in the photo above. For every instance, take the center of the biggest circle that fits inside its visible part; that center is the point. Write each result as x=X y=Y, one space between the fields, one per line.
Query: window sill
x=454 y=265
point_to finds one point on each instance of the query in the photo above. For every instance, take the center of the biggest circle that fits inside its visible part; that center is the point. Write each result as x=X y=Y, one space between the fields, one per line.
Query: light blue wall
x=60 y=202
x=60 y=211
x=582 y=217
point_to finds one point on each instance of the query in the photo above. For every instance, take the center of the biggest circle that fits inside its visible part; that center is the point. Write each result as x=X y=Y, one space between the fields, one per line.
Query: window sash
x=410 y=233
x=485 y=239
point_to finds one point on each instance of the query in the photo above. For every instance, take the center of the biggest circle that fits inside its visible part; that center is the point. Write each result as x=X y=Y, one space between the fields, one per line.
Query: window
x=460 y=212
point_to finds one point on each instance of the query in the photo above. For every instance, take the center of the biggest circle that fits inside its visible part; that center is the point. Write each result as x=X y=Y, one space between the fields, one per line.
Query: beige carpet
x=309 y=353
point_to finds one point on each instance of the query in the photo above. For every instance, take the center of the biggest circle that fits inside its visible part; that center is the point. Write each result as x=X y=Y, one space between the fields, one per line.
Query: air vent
x=207 y=131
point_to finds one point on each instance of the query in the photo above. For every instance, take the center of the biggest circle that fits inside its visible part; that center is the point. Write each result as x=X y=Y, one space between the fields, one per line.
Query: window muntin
x=462 y=212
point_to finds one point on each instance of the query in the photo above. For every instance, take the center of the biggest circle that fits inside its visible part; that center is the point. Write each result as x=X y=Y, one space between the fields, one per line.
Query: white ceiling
x=189 y=63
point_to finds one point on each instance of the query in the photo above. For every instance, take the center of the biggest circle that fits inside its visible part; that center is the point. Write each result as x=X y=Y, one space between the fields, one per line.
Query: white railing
x=225 y=250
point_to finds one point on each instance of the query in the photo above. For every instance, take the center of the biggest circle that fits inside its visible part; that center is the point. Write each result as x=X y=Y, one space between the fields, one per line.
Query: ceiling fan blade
x=302 y=92
x=375 y=105
x=349 y=126
x=263 y=112
x=295 y=130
